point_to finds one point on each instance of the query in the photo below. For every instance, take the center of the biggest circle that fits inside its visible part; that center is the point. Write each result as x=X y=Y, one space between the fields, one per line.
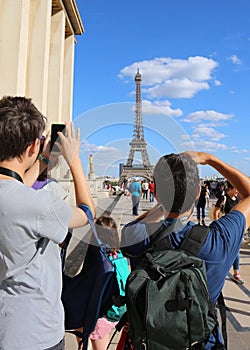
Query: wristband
x=43 y=159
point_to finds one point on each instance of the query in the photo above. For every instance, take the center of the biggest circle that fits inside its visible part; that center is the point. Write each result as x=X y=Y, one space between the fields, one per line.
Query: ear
x=33 y=147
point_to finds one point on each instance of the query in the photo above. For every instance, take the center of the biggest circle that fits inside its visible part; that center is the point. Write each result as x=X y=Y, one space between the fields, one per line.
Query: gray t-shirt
x=31 y=312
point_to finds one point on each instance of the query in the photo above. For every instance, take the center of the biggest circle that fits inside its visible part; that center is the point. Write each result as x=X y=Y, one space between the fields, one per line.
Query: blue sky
x=194 y=57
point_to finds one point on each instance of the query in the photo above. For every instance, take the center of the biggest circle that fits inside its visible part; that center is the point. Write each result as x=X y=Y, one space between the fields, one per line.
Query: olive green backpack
x=168 y=303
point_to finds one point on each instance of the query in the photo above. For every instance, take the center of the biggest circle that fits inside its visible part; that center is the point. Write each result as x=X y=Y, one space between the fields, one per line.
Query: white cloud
x=234 y=59
x=185 y=137
x=208 y=132
x=217 y=82
x=88 y=147
x=235 y=150
x=175 y=78
x=106 y=158
x=176 y=88
x=210 y=115
x=160 y=107
x=209 y=146
x=105 y=149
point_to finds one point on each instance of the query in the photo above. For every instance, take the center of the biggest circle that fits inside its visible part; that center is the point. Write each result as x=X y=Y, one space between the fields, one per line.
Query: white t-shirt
x=31 y=312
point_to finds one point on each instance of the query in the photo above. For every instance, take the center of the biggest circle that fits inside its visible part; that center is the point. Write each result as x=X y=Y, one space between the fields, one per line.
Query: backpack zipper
x=205 y=294
x=144 y=340
x=141 y=341
x=203 y=287
x=143 y=345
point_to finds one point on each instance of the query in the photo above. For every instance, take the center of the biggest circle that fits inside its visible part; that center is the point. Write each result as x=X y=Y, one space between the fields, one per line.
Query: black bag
x=88 y=295
x=168 y=302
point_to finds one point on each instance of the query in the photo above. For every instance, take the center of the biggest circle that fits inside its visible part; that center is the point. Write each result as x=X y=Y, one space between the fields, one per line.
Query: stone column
x=38 y=58
x=68 y=73
x=56 y=64
x=37 y=39
x=14 y=30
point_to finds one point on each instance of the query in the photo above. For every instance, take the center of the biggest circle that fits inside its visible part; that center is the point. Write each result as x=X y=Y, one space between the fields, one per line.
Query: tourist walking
x=201 y=205
x=144 y=189
x=224 y=205
x=207 y=196
x=135 y=190
x=151 y=187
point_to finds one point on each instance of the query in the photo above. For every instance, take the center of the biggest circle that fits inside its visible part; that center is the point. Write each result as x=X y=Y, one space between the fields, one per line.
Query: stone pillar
x=68 y=74
x=38 y=58
x=37 y=39
x=56 y=60
x=14 y=30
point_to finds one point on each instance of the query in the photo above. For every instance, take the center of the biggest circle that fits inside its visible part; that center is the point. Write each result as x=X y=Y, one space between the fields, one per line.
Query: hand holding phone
x=54 y=136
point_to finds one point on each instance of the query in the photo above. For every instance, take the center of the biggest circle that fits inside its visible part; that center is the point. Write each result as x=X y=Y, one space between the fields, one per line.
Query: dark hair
x=176 y=180
x=20 y=124
x=107 y=231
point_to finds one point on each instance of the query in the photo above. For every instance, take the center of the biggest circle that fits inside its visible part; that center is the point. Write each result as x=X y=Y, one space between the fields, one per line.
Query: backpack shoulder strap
x=195 y=239
x=162 y=232
x=193 y=243
x=91 y=220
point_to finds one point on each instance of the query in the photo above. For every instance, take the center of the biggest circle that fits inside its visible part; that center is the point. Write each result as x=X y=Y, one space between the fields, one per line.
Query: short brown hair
x=20 y=124
x=107 y=231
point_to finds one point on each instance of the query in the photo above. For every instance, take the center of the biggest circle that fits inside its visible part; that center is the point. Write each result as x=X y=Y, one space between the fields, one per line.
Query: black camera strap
x=11 y=173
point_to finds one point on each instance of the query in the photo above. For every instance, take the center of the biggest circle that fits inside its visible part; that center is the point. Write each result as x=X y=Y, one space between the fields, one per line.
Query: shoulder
x=178 y=236
x=133 y=233
x=134 y=240
x=233 y=220
x=53 y=213
x=53 y=186
x=55 y=218
x=227 y=232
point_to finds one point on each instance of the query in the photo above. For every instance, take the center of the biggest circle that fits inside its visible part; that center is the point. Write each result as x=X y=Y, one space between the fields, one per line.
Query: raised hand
x=70 y=143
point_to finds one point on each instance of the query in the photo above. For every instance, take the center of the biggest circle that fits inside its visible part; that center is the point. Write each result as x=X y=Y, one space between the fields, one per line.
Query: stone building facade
x=37 y=41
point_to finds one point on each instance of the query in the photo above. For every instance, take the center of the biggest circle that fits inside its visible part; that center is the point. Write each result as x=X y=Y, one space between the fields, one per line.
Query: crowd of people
x=35 y=222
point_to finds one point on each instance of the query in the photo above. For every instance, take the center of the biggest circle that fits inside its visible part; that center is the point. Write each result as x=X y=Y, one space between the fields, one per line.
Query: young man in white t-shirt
x=31 y=312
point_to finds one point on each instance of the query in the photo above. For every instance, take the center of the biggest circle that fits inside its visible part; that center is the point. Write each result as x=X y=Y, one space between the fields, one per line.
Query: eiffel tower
x=138 y=143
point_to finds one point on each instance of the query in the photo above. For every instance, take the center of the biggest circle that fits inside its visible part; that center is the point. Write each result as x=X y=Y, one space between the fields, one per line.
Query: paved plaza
x=237 y=297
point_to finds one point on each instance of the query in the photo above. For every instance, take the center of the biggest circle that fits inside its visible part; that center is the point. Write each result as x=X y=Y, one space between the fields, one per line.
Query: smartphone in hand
x=54 y=137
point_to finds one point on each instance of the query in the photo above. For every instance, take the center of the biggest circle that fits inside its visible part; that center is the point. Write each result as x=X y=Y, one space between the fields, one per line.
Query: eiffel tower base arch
x=128 y=172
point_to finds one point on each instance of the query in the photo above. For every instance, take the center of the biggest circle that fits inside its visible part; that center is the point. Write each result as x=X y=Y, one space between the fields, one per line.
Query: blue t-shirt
x=219 y=250
x=135 y=189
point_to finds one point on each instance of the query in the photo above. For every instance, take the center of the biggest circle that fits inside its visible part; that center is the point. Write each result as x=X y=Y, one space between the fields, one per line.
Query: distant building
x=120 y=168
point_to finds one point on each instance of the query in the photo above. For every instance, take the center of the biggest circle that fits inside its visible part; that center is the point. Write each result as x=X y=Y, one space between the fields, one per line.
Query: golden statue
x=91 y=165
